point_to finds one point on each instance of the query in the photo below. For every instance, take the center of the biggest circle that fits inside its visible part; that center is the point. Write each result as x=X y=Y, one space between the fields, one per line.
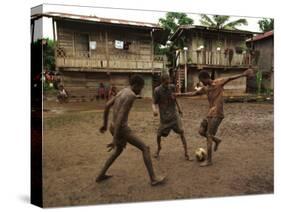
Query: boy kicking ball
x=210 y=124
x=164 y=98
x=122 y=134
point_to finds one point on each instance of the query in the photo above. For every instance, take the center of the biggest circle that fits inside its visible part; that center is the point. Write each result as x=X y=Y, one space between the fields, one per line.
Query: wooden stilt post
x=32 y=30
x=55 y=41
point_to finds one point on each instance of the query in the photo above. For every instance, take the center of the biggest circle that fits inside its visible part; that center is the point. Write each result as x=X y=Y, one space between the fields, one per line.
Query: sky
x=133 y=15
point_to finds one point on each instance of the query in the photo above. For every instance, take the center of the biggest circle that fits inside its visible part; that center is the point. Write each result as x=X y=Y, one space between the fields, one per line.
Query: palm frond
x=220 y=20
x=207 y=21
x=234 y=24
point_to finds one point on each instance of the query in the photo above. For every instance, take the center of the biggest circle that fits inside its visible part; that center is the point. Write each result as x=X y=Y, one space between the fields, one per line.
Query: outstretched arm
x=106 y=113
x=193 y=93
x=248 y=73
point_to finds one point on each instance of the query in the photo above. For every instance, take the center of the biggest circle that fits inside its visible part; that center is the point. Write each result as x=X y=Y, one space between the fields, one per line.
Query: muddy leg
x=214 y=125
x=217 y=141
x=202 y=132
x=135 y=141
x=203 y=128
x=102 y=176
x=156 y=155
x=183 y=140
x=208 y=162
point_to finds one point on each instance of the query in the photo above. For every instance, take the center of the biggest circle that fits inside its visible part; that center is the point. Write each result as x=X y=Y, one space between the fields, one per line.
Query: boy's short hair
x=204 y=75
x=164 y=77
x=136 y=80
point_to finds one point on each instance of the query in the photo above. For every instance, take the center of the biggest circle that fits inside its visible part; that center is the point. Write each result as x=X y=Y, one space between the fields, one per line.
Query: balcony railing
x=84 y=59
x=217 y=58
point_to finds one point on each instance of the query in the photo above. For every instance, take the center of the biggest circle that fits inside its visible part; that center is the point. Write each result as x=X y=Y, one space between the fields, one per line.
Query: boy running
x=170 y=110
x=122 y=104
x=210 y=124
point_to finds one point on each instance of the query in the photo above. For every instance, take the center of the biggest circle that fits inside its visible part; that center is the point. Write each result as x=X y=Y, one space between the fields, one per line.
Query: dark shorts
x=125 y=134
x=165 y=128
x=209 y=126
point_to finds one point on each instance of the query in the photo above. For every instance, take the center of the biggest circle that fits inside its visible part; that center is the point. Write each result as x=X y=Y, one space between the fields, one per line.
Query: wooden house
x=92 y=50
x=222 y=52
x=263 y=45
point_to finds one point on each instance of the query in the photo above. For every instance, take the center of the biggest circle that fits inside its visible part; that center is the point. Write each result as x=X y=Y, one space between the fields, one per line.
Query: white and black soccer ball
x=200 y=154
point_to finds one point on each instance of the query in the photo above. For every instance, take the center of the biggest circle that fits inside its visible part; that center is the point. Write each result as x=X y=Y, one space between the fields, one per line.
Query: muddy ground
x=74 y=151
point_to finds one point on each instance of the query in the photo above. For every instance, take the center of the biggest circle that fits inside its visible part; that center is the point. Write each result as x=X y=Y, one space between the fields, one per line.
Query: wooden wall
x=266 y=61
x=234 y=87
x=73 y=47
x=265 y=47
x=84 y=69
x=86 y=84
x=210 y=55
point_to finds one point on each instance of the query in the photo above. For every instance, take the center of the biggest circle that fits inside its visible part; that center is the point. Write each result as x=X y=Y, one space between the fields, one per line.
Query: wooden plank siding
x=210 y=55
x=73 y=47
x=216 y=61
x=84 y=69
x=86 y=84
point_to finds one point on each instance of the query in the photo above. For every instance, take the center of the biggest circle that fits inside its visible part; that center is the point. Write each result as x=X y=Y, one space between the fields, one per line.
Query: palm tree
x=173 y=20
x=266 y=24
x=222 y=22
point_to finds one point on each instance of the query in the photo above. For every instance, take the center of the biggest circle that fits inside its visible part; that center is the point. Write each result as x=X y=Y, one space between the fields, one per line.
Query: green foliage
x=48 y=87
x=160 y=49
x=164 y=50
x=269 y=91
x=266 y=24
x=173 y=20
x=222 y=22
x=49 y=54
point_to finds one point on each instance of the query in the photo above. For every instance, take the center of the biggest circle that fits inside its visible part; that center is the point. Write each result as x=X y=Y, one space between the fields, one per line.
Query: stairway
x=180 y=79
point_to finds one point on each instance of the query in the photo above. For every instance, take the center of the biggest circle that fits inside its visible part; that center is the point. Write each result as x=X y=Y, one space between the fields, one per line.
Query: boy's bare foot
x=188 y=158
x=206 y=163
x=158 y=180
x=217 y=143
x=102 y=178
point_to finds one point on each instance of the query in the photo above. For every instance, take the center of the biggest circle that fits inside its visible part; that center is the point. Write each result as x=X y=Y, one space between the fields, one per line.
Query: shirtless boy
x=122 y=134
x=210 y=124
x=164 y=97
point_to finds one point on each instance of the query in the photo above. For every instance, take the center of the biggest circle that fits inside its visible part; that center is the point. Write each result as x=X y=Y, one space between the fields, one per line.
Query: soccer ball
x=200 y=154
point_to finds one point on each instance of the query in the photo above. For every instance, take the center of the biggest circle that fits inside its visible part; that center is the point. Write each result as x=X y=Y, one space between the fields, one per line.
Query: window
x=81 y=45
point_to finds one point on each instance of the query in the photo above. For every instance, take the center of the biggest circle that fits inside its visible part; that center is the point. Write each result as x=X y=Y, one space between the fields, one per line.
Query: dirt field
x=74 y=151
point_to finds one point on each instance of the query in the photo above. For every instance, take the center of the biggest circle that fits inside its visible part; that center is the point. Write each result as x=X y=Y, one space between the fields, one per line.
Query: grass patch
x=71 y=118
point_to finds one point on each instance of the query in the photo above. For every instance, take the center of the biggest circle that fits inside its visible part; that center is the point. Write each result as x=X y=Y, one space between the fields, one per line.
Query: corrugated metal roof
x=210 y=29
x=96 y=19
x=261 y=36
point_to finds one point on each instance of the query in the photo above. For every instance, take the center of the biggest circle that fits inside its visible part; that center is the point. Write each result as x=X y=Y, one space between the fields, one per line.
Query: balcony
x=217 y=59
x=101 y=62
